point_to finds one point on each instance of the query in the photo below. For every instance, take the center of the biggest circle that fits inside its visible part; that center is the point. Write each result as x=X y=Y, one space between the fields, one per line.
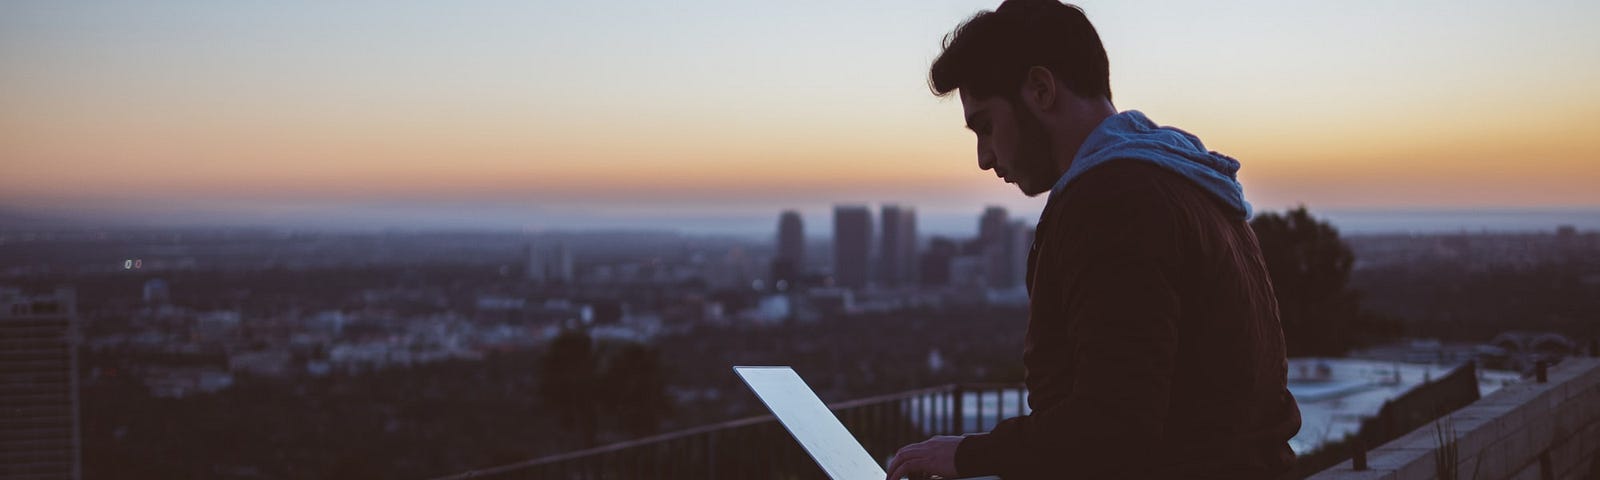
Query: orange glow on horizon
x=487 y=108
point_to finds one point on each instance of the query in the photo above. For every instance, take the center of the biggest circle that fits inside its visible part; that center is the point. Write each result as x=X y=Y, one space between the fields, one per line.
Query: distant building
x=546 y=266
x=831 y=301
x=993 y=225
x=996 y=244
x=180 y=382
x=533 y=268
x=897 y=253
x=934 y=268
x=852 y=243
x=969 y=271
x=772 y=310
x=561 y=266
x=156 y=292
x=217 y=325
x=734 y=269
x=788 y=266
x=265 y=363
x=40 y=434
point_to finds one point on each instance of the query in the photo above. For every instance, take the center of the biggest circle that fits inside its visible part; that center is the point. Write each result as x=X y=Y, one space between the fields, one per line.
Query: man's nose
x=985 y=160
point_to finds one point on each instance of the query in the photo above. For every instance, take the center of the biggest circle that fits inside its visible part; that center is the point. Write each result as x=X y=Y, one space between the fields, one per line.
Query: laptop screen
x=811 y=423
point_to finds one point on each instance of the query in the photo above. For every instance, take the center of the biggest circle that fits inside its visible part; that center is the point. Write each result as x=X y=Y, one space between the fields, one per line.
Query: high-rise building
x=995 y=245
x=969 y=271
x=852 y=244
x=897 y=252
x=39 y=429
x=561 y=266
x=549 y=265
x=534 y=269
x=935 y=264
x=789 y=263
x=992 y=225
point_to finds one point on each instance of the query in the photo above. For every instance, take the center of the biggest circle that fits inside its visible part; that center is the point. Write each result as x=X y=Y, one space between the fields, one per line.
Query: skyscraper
x=534 y=269
x=992 y=225
x=549 y=265
x=897 y=252
x=789 y=262
x=39 y=433
x=995 y=245
x=935 y=264
x=562 y=265
x=852 y=243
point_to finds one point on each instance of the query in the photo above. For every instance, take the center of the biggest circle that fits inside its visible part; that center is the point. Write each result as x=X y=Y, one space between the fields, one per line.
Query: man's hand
x=936 y=456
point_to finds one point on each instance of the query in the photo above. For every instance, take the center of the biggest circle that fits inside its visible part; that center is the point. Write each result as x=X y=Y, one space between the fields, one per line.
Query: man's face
x=1011 y=142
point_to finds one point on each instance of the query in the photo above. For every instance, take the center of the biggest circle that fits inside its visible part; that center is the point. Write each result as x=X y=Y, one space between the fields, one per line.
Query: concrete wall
x=1531 y=431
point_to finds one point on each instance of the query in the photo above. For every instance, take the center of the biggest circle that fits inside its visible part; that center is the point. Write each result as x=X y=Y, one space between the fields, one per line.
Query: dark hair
x=990 y=53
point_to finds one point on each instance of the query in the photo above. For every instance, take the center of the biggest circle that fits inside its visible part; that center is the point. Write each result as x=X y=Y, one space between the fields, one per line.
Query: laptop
x=811 y=423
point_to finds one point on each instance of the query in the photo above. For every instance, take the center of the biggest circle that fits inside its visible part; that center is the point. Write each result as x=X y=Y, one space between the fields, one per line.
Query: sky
x=543 y=115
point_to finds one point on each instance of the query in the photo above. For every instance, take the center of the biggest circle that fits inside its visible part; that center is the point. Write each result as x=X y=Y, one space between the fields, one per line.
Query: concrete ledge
x=1528 y=430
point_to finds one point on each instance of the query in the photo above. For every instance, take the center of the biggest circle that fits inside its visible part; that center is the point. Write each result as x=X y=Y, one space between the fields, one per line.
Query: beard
x=1035 y=156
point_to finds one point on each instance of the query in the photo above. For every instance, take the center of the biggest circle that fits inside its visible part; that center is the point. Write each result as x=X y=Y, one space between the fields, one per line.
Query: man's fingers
x=907 y=469
x=902 y=466
x=907 y=461
x=894 y=466
x=895 y=472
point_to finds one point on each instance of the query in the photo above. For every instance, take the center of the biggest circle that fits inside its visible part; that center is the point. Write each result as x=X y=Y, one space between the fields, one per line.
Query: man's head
x=1034 y=82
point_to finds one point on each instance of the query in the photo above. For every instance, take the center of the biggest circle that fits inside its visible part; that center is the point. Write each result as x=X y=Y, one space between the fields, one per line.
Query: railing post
x=958 y=415
x=999 y=407
x=711 y=455
x=1022 y=399
x=875 y=415
x=978 y=404
x=1358 y=455
x=925 y=414
x=658 y=462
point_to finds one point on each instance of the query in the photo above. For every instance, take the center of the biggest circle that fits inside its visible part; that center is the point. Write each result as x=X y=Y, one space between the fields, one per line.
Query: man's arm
x=1113 y=268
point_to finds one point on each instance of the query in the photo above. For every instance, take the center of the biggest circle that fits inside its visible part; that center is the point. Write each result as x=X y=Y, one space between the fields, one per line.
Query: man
x=1153 y=348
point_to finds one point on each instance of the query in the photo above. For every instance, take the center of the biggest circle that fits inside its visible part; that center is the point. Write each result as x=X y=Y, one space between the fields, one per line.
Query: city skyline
x=755 y=223
x=542 y=116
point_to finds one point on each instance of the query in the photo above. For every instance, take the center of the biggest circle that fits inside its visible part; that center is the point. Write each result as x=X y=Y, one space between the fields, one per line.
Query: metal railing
x=759 y=447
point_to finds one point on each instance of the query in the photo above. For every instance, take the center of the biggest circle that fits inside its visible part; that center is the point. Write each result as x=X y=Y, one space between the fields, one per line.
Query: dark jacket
x=1153 y=347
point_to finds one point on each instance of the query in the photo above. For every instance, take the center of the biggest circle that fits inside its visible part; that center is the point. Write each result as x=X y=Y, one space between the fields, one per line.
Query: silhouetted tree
x=1310 y=268
x=607 y=312
x=569 y=383
x=636 y=389
x=578 y=380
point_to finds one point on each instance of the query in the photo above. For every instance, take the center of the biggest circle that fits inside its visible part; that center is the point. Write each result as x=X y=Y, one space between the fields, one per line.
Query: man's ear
x=1039 y=90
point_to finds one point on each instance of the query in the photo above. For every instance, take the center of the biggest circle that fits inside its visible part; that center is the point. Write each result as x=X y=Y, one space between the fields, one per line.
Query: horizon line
x=941 y=222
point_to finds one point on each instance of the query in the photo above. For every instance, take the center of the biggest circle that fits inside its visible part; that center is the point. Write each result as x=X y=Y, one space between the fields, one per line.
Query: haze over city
x=715 y=115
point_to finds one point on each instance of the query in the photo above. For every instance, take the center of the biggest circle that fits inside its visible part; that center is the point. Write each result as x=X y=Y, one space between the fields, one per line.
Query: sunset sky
x=556 y=114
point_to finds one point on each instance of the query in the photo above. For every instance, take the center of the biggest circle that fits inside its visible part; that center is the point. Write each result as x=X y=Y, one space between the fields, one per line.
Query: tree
x=569 y=383
x=1310 y=269
x=635 y=388
x=626 y=380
